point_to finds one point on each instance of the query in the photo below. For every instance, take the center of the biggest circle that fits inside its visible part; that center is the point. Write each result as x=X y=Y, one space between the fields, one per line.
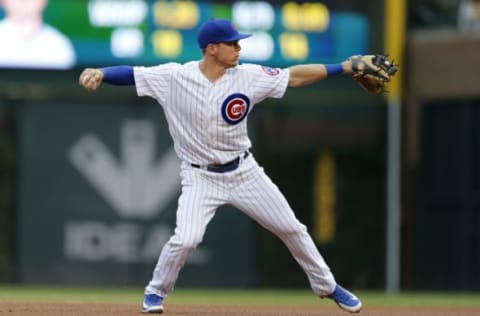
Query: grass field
x=230 y=296
x=52 y=301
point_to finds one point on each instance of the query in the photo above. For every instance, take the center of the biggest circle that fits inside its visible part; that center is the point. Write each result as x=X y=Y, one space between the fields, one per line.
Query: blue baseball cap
x=218 y=30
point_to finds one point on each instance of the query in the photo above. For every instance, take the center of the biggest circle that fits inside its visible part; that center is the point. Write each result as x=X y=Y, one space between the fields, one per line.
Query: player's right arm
x=301 y=75
x=92 y=78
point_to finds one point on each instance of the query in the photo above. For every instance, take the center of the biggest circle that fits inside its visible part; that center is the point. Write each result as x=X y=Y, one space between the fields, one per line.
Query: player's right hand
x=91 y=78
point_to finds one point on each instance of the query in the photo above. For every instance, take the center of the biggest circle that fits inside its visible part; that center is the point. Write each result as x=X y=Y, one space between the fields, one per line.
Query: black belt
x=221 y=168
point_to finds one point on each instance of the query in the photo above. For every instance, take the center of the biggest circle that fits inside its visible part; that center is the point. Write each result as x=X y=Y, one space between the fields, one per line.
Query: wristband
x=334 y=69
x=119 y=75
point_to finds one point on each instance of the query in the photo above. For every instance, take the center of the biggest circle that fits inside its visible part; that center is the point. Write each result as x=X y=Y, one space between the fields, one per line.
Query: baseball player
x=206 y=104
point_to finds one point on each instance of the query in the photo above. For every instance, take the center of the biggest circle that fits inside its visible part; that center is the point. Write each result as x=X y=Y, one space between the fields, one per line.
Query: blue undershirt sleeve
x=118 y=75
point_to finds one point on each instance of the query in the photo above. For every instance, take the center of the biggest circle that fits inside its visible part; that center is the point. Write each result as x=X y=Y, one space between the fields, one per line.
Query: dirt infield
x=74 y=309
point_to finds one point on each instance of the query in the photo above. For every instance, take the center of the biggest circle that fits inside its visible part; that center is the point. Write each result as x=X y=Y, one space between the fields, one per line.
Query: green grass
x=231 y=296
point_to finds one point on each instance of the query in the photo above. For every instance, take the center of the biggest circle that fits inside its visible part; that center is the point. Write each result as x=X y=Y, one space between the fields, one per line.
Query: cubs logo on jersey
x=235 y=108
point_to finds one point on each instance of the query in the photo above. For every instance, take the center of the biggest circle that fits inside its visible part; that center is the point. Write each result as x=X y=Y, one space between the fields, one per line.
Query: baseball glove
x=372 y=72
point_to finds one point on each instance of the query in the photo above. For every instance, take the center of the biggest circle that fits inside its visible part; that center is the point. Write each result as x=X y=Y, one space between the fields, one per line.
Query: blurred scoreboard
x=112 y=32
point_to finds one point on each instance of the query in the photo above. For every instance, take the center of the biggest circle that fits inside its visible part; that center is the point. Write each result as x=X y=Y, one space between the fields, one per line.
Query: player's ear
x=211 y=49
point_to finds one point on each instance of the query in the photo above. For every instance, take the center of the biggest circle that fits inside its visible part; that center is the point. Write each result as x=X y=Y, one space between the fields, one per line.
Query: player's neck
x=211 y=70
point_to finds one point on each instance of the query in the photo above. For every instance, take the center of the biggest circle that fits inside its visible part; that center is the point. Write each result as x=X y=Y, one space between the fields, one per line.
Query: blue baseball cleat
x=345 y=300
x=152 y=303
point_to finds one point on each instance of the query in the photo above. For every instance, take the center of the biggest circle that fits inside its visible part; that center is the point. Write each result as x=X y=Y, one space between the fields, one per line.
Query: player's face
x=228 y=53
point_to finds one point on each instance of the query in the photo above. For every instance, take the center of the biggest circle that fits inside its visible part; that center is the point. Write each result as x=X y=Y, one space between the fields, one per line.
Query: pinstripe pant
x=250 y=190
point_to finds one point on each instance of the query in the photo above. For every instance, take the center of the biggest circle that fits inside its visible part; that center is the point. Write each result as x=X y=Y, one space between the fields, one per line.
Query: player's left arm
x=301 y=75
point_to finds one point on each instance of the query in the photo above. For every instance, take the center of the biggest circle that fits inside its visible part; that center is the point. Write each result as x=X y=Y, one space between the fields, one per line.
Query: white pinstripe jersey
x=208 y=121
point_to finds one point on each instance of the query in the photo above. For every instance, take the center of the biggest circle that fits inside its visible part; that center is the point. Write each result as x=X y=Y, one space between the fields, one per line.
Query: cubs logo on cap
x=235 y=108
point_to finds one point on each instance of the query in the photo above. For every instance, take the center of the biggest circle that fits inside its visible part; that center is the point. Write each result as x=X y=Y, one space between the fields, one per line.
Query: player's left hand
x=372 y=72
x=91 y=78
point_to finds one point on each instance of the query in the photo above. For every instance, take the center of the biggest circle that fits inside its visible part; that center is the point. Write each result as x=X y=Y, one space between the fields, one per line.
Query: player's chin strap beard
x=226 y=167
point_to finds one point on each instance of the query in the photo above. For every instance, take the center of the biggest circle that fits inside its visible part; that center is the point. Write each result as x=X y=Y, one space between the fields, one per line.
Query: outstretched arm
x=301 y=75
x=92 y=78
